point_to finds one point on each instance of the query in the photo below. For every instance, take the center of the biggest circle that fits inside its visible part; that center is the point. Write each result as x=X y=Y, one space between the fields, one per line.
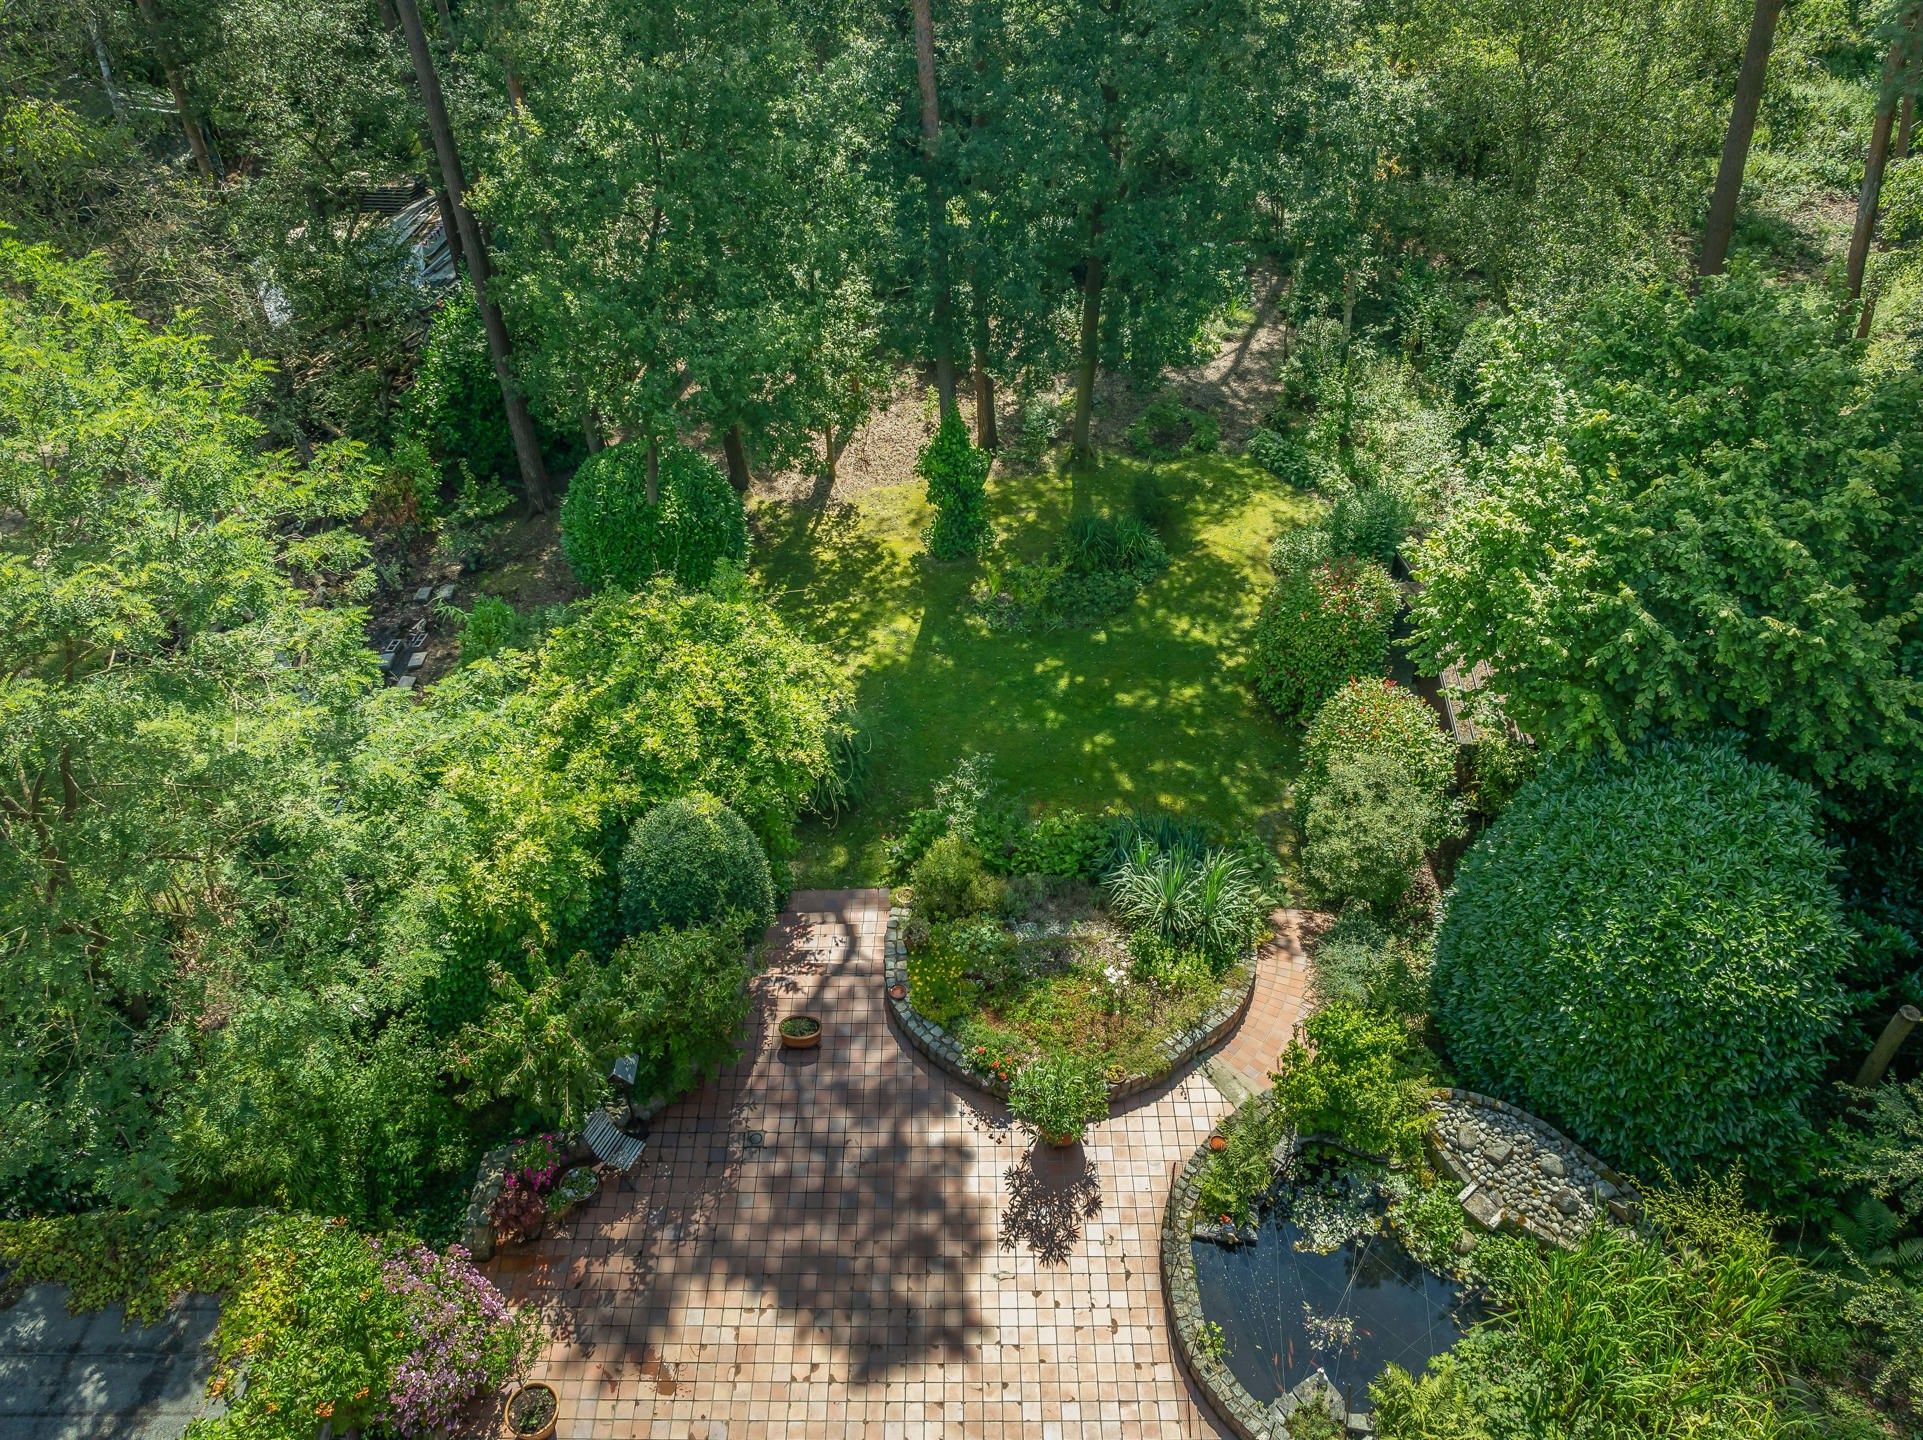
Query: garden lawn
x=1149 y=709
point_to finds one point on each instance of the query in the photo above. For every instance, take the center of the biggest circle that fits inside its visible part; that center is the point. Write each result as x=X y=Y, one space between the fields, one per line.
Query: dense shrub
x=1359 y=961
x=950 y=881
x=1365 y=831
x=494 y=625
x=1370 y=522
x=1058 y=1096
x=1167 y=428
x=453 y=406
x=690 y=861
x=1698 y=514
x=956 y=474
x=1354 y=1076
x=1372 y=715
x=1280 y=455
x=1319 y=627
x=1500 y=760
x=614 y=536
x=1646 y=952
x=1096 y=569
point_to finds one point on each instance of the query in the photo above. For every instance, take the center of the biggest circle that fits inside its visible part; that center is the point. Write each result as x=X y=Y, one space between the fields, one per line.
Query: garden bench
x=614 y=1149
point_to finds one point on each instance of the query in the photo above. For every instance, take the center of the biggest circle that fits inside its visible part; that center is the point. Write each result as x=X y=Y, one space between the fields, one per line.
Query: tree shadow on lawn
x=1148 y=709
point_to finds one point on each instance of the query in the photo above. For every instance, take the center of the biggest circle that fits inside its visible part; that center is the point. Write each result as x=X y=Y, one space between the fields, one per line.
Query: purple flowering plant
x=462 y=1338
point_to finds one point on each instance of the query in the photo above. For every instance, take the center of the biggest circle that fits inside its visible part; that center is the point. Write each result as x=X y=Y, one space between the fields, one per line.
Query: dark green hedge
x=1646 y=951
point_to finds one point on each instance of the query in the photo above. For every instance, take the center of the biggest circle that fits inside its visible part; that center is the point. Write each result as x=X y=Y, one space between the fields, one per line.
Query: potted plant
x=1058 y=1097
x=532 y=1411
x=800 y=1032
x=577 y=1187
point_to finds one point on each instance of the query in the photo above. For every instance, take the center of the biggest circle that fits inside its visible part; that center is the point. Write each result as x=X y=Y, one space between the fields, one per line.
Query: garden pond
x=1327 y=1285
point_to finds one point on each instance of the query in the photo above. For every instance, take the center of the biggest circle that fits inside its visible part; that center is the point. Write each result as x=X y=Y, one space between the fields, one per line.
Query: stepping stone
x=406 y=682
x=446 y=592
x=417 y=659
x=420 y=595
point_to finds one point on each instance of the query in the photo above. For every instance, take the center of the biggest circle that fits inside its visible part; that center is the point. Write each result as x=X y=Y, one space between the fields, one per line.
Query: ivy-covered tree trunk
x=944 y=304
x=1721 y=223
x=527 y=448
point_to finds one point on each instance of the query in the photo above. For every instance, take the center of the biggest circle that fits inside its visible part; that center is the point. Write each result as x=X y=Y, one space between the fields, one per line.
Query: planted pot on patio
x=800 y=1032
x=532 y=1411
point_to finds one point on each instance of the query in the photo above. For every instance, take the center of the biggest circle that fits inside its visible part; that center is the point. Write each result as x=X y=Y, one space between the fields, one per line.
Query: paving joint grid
x=891 y=1259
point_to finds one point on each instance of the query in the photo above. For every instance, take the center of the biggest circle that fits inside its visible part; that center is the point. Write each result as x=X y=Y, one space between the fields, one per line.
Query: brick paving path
x=1281 y=996
x=845 y=1242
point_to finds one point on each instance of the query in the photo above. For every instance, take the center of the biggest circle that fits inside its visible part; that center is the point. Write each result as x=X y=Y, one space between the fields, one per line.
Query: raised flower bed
x=992 y=1067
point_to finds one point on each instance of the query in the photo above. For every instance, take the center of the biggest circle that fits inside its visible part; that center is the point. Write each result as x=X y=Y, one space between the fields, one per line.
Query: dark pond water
x=1365 y=1305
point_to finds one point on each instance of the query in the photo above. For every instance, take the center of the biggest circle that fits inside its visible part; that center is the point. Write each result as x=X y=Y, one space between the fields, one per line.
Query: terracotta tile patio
x=845 y=1242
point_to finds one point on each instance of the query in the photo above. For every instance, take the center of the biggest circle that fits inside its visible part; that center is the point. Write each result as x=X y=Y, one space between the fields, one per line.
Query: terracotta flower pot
x=534 y=1403
x=898 y=992
x=800 y=1032
x=1218 y=1144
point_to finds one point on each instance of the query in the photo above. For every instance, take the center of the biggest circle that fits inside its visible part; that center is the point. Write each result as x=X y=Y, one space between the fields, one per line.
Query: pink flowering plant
x=462 y=1339
x=536 y=1164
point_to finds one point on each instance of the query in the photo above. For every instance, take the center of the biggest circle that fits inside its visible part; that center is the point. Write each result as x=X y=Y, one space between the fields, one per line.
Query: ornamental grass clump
x=1206 y=902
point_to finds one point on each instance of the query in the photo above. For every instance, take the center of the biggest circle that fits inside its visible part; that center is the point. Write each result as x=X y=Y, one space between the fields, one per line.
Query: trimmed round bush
x=1321 y=625
x=691 y=861
x=614 y=537
x=1646 y=951
x=1372 y=715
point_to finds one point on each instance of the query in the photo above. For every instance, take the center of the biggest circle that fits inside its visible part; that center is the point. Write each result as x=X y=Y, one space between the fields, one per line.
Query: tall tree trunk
x=527 y=448
x=736 y=451
x=115 y=102
x=986 y=434
x=1721 y=223
x=177 y=85
x=1079 y=449
x=591 y=434
x=944 y=305
x=1876 y=161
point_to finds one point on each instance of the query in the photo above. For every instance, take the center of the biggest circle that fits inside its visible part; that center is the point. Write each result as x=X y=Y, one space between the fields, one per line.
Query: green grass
x=1150 y=709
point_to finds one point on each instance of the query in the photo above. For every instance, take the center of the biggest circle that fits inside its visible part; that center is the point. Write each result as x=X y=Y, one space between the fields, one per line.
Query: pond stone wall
x=1519 y=1173
x=945 y=1051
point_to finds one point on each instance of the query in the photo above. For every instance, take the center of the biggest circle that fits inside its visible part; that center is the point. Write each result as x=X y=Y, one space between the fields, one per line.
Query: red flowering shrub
x=1321 y=625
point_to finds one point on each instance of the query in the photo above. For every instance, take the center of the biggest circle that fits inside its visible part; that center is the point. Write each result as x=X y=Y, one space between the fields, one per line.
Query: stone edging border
x=1241 y=1411
x=940 y=1046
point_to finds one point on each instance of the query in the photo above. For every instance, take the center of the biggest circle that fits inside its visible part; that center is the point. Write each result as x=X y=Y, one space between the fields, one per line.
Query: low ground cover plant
x=1167 y=428
x=1096 y=569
